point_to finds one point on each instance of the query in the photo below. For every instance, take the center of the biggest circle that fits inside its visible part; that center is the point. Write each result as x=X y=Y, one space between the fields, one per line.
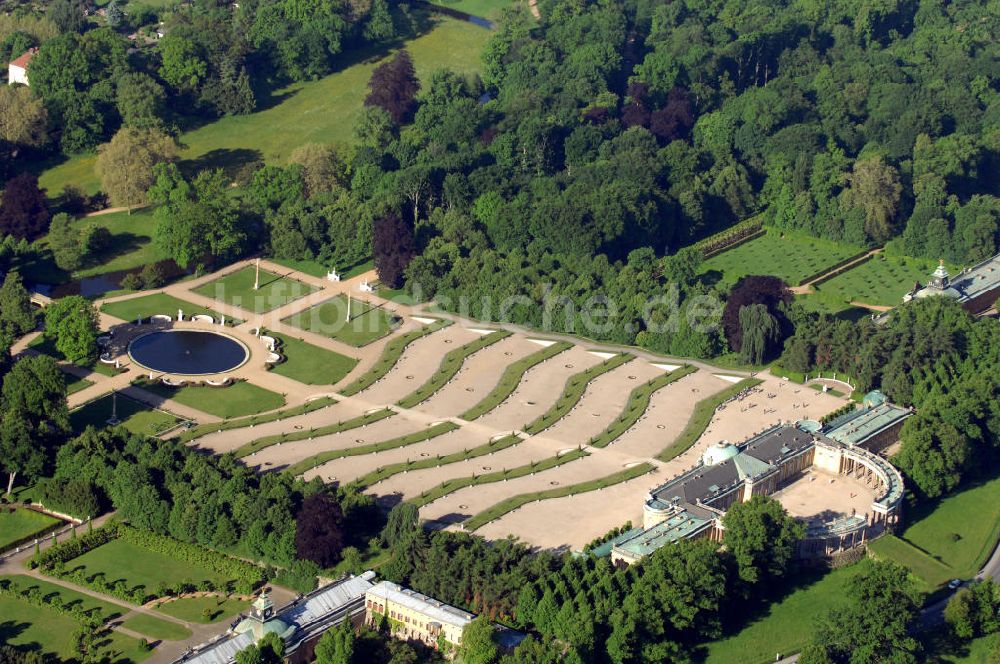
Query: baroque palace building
x=692 y=504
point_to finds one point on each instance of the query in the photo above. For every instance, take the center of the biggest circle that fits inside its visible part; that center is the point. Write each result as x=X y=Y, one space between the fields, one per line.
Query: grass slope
x=883 y=280
x=959 y=531
x=511 y=378
x=323 y=111
x=788 y=624
x=390 y=355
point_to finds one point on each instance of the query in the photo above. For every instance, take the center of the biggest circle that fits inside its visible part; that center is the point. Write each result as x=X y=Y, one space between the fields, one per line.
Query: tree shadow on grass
x=230 y=160
x=11 y=629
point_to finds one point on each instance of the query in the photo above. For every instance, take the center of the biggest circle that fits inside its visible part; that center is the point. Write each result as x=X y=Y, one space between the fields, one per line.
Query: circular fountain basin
x=188 y=352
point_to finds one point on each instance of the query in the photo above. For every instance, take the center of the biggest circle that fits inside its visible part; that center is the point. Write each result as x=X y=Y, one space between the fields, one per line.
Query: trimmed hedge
x=240 y=422
x=450 y=365
x=576 y=385
x=453 y=485
x=354 y=423
x=388 y=471
x=391 y=444
x=702 y=417
x=512 y=503
x=511 y=378
x=390 y=355
x=638 y=402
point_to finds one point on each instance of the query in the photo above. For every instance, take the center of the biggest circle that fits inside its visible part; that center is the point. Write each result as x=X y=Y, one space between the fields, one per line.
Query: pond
x=188 y=352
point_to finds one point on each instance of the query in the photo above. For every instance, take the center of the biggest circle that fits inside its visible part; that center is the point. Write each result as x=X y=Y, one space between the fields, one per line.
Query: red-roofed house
x=17 y=71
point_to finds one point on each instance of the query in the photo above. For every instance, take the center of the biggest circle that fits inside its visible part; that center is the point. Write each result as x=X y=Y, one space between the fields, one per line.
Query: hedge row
x=393 y=443
x=702 y=417
x=384 y=472
x=339 y=427
x=733 y=236
x=390 y=355
x=74 y=548
x=450 y=365
x=576 y=385
x=453 y=485
x=638 y=402
x=834 y=269
x=240 y=422
x=512 y=503
x=90 y=618
x=511 y=378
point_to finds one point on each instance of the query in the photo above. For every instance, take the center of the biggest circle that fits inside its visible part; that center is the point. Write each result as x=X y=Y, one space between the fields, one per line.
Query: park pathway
x=807 y=287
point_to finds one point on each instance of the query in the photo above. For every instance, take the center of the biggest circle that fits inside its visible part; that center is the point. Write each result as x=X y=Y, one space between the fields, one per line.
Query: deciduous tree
x=393 y=87
x=762 y=537
x=393 y=246
x=24 y=212
x=126 y=163
x=71 y=322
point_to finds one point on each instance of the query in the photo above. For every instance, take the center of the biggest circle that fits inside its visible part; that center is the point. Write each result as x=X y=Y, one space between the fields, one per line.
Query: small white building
x=17 y=71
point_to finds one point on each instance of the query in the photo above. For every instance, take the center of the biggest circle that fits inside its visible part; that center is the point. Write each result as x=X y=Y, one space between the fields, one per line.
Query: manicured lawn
x=158 y=303
x=30 y=627
x=880 y=281
x=977 y=652
x=22 y=523
x=192 y=609
x=135 y=416
x=36 y=628
x=788 y=624
x=236 y=289
x=960 y=530
x=69 y=597
x=139 y=566
x=311 y=364
x=323 y=111
x=237 y=400
x=511 y=378
x=368 y=322
x=156 y=628
x=793 y=257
